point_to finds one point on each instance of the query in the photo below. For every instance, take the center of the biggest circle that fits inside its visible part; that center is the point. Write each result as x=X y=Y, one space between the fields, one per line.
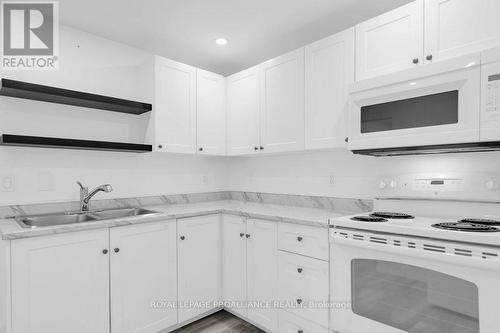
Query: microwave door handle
x=479 y=263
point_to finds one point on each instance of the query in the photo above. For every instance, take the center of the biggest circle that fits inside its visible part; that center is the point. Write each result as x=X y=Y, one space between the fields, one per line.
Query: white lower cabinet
x=304 y=240
x=303 y=283
x=199 y=258
x=143 y=277
x=60 y=283
x=289 y=323
x=250 y=269
x=157 y=276
x=234 y=264
x=262 y=272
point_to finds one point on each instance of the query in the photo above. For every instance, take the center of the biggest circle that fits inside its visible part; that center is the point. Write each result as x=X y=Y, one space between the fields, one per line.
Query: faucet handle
x=81 y=186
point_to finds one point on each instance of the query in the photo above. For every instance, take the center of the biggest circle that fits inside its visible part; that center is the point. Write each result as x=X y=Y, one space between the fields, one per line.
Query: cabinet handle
x=105 y=251
x=255 y=148
x=429 y=57
x=261 y=148
x=346 y=139
x=299 y=270
x=415 y=61
x=300 y=331
x=200 y=149
x=183 y=238
x=160 y=146
x=248 y=235
x=299 y=301
x=116 y=250
x=242 y=234
x=299 y=239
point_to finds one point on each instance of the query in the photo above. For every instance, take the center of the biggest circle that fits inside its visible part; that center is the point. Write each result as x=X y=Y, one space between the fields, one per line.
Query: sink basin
x=36 y=221
x=53 y=219
x=125 y=212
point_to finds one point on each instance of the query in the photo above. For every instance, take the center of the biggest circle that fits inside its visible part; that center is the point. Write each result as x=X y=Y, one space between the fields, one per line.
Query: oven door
x=422 y=109
x=393 y=285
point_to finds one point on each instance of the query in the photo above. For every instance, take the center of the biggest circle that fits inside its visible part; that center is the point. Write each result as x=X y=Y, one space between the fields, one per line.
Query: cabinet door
x=243 y=112
x=174 y=107
x=262 y=271
x=457 y=27
x=199 y=262
x=329 y=71
x=210 y=113
x=60 y=283
x=282 y=86
x=390 y=42
x=143 y=277
x=234 y=274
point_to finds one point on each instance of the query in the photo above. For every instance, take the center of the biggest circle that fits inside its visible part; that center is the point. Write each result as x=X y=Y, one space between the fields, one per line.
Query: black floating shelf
x=45 y=142
x=38 y=92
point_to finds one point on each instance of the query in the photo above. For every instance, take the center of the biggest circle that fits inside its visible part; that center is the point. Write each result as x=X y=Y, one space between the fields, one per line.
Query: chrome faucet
x=85 y=196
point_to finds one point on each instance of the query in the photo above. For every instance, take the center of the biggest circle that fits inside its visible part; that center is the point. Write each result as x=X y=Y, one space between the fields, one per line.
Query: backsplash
x=340 y=205
x=309 y=201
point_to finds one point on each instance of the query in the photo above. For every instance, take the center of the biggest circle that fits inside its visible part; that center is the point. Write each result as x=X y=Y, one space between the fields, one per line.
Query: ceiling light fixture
x=221 y=41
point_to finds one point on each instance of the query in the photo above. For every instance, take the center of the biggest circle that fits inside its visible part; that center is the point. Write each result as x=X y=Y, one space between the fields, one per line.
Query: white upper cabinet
x=329 y=69
x=199 y=257
x=282 y=103
x=243 y=112
x=457 y=27
x=390 y=42
x=60 y=283
x=143 y=270
x=210 y=113
x=174 y=107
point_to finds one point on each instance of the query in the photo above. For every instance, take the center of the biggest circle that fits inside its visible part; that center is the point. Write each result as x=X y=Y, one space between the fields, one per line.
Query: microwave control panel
x=490 y=102
x=493 y=96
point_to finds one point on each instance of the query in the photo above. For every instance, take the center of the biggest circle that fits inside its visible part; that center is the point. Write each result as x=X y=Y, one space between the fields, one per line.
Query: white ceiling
x=185 y=30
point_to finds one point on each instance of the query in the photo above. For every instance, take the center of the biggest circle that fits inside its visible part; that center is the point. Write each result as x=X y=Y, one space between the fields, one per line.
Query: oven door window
x=413 y=299
x=431 y=110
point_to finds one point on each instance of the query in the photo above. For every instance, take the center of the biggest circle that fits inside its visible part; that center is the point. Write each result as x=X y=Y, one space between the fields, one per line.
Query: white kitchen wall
x=93 y=64
x=97 y=65
x=341 y=174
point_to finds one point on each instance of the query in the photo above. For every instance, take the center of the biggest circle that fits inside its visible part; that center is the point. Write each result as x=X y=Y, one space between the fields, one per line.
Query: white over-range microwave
x=452 y=105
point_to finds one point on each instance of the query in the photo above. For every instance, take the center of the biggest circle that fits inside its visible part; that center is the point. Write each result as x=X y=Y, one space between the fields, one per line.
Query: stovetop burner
x=368 y=219
x=481 y=221
x=390 y=215
x=465 y=226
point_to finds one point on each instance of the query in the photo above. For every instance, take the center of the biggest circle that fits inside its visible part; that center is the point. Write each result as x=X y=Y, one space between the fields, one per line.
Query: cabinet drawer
x=304 y=280
x=305 y=240
x=289 y=323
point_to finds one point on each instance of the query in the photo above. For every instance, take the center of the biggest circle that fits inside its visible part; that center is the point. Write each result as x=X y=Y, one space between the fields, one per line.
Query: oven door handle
x=450 y=258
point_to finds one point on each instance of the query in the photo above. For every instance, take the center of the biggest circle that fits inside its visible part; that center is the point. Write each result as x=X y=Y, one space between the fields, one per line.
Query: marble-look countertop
x=10 y=229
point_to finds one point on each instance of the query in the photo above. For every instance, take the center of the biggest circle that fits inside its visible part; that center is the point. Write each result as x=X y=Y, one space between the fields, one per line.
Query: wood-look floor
x=220 y=322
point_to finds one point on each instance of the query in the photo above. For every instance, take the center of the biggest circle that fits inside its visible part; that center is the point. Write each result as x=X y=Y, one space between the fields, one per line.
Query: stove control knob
x=382 y=185
x=493 y=185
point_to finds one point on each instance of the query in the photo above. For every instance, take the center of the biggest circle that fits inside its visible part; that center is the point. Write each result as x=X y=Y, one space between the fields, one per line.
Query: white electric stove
x=417 y=266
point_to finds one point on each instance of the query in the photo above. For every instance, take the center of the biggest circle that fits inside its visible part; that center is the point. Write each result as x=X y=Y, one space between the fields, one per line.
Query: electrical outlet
x=331 y=179
x=8 y=183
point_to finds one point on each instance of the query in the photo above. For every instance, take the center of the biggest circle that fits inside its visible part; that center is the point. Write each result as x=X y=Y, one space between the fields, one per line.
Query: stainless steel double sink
x=47 y=220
